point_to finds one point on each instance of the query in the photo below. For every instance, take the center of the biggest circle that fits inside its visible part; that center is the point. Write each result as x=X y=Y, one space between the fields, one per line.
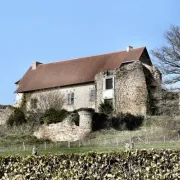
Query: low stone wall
x=67 y=130
x=5 y=112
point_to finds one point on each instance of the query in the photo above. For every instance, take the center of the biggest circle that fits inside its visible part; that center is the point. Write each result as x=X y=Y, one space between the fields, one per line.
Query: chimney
x=35 y=64
x=129 y=48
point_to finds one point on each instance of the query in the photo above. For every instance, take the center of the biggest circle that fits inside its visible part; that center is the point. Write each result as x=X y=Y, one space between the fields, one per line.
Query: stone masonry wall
x=155 y=73
x=85 y=120
x=99 y=89
x=131 y=91
x=67 y=130
x=5 y=112
x=81 y=96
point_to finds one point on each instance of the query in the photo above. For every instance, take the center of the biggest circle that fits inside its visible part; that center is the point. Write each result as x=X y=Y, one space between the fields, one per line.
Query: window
x=92 y=95
x=108 y=73
x=70 y=98
x=33 y=103
x=109 y=83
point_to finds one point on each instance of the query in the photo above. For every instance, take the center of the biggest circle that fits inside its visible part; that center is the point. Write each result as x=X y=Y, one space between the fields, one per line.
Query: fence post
x=24 y=147
x=178 y=136
x=45 y=146
x=79 y=143
x=69 y=144
x=164 y=139
x=117 y=142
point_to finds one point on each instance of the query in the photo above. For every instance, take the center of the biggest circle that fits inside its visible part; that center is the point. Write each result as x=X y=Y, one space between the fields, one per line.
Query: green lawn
x=55 y=150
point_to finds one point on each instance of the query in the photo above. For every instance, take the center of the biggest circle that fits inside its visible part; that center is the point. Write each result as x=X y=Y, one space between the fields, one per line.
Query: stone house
x=126 y=78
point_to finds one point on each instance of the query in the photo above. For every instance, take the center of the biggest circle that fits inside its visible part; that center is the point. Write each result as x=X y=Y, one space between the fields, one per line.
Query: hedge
x=137 y=164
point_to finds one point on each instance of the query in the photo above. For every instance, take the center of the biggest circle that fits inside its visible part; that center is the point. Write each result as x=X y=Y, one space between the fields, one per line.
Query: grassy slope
x=54 y=150
x=161 y=133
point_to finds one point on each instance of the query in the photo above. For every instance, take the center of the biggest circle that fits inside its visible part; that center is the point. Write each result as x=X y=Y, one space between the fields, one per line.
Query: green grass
x=167 y=145
x=156 y=130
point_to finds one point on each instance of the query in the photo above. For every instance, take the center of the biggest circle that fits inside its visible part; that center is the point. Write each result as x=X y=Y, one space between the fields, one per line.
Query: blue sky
x=47 y=31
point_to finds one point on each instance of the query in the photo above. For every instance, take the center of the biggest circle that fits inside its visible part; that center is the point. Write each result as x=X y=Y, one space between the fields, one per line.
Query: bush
x=35 y=117
x=120 y=122
x=106 y=108
x=139 y=164
x=16 y=118
x=55 y=116
x=126 y=121
x=100 y=121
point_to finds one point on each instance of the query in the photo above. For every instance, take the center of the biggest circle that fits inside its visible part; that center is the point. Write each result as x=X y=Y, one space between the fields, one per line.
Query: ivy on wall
x=25 y=98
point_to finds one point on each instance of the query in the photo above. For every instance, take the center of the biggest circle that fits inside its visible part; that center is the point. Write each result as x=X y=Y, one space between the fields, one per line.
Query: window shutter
x=72 y=98
x=92 y=95
x=68 y=98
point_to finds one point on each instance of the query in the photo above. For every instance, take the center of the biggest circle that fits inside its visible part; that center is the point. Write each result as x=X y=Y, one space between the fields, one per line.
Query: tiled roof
x=77 y=71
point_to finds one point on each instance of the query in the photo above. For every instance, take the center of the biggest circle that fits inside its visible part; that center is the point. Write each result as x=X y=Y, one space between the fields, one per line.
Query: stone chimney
x=35 y=64
x=129 y=48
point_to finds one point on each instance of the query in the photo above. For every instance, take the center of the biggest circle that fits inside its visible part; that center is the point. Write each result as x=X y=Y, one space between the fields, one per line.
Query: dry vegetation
x=155 y=129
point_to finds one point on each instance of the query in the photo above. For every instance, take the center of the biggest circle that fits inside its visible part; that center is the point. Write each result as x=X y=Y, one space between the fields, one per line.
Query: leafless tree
x=44 y=101
x=47 y=100
x=166 y=102
x=168 y=56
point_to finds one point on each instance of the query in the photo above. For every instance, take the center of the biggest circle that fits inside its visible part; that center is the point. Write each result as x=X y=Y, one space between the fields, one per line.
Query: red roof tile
x=77 y=71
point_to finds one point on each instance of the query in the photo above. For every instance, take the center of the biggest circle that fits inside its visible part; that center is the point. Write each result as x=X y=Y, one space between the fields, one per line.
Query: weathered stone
x=101 y=92
x=81 y=96
x=131 y=90
x=5 y=112
x=85 y=120
x=135 y=85
x=67 y=130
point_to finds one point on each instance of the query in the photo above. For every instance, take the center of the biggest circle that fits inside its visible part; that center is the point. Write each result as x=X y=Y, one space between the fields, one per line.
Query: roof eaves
x=53 y=87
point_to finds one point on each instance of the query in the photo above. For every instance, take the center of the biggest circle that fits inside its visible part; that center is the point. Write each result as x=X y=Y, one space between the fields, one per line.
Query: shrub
x=35 y=117
x=55 y=116
x=139 y=164
x=16 y=118
x=126 y=121
x=106 y=107
x=100 y=121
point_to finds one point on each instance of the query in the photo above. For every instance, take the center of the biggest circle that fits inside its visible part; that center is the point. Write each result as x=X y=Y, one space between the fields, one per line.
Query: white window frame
x=108 y=75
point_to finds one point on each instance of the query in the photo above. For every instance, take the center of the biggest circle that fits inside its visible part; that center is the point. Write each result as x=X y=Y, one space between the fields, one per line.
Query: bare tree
x=48 y=100
x=44 y=101
x=168 y=56
x=166 y=102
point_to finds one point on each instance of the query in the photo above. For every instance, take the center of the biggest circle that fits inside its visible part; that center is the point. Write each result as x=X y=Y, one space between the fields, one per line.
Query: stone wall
x=5 y=112
x=18 y=100
x=156 y=74
x=81 y=96
x=99 y=89
x=67 y=130
x=85 y=120
x=134 y=85
x=101 y=92
x=131 y=90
